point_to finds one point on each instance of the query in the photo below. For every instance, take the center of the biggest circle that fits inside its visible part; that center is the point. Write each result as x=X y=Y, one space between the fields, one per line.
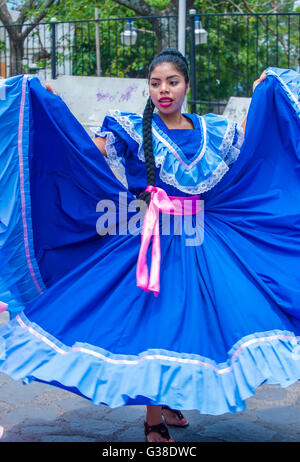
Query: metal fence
x=72 y=47
x=238 y=48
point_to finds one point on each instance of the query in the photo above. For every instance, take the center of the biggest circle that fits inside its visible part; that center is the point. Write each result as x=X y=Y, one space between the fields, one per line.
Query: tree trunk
x=16 y=56
x=165 y=28
x=16 y=47
x=16 y=37
x=166 y=32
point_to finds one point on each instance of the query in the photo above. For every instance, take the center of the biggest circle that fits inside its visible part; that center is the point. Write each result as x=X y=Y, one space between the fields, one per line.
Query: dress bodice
x=188 y=161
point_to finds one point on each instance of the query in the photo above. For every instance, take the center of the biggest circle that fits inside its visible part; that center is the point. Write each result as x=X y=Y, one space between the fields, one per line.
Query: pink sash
x=160 y=202
x=3 y=306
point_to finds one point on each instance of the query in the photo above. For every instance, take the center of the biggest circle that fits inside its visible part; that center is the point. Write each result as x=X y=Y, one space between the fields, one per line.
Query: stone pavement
x=42 y=413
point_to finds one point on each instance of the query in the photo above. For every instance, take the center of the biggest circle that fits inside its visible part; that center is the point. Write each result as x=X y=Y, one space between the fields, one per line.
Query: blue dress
x=227 y=316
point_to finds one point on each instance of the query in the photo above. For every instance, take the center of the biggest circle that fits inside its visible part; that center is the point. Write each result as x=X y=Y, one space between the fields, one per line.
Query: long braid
x=180 y=62
x=148 y=149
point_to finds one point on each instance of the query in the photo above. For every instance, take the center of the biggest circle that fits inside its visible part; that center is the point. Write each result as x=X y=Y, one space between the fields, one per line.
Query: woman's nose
x=164 y=87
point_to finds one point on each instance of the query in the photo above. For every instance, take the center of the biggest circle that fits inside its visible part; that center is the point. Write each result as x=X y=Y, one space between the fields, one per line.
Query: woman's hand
x=255 y=83
x=49 y=88
x=259 y=80
x=100 y=143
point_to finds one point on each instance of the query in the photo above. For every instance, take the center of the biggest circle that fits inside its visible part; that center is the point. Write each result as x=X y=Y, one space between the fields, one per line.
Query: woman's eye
x=173 y=82
x=154 y=84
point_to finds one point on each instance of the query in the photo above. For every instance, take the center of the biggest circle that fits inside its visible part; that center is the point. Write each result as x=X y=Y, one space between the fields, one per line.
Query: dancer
x=218 y=314
x=168 y=86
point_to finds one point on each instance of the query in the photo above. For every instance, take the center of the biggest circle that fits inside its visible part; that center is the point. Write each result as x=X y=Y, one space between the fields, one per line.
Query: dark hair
x=171 y=56
x=181 y=64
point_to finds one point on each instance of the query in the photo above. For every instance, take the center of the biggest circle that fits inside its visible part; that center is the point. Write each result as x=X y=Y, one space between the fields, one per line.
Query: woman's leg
x=154 y=417
x=174 y=417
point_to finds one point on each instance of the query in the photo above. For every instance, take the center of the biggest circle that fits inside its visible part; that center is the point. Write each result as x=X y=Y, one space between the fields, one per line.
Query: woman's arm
x=100 y=143
x=49 y=88
x=244 y=125
x=255 y=83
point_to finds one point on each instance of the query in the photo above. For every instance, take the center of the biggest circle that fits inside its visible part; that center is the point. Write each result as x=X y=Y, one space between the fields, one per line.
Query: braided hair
x=180 y=63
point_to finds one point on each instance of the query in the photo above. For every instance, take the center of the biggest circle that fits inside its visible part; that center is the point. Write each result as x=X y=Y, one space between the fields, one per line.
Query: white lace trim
x=234 y=150
x=289 y=92
x=241 y=137
x=112 y=158
x=177 y=155
x=226 y=147
x=202 y=187
x=233 y=154
x=128 y=126
x=228 y=138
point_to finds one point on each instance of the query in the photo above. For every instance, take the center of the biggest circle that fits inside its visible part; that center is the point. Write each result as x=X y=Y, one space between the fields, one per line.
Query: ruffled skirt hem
x=153 y=377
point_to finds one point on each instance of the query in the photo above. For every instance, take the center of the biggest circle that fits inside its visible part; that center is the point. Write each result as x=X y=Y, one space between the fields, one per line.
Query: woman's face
x=167 y=88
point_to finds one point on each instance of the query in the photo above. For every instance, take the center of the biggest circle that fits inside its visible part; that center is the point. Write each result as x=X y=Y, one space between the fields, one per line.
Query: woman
x=168 y=86
x=216 y=317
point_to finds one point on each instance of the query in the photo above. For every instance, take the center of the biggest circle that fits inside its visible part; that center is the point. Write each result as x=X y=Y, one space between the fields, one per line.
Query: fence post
x=181 y=26
x=53 y=48
x=98 y=57
x=192 y=14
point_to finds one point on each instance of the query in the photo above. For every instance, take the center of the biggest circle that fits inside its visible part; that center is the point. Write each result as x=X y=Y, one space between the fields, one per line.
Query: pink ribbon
x=3 y=306
x=160 y=202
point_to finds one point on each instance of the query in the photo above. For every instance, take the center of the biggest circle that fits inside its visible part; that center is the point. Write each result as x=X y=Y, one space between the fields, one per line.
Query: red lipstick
x=165 y=102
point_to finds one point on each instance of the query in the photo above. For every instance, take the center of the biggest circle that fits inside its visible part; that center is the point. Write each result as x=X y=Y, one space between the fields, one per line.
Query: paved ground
x=41 y=413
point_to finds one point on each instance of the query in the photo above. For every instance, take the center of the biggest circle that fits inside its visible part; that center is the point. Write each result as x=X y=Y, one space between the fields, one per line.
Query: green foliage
x=159 y=4
x=243 y=6
x=69 y=10
x=238 y=49
x=117 y=60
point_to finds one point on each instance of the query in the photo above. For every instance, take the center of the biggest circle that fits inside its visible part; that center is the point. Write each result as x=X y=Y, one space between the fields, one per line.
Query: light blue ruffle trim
x=117 y=380
x=215 y=155
x=290 y=81
x=218 y=153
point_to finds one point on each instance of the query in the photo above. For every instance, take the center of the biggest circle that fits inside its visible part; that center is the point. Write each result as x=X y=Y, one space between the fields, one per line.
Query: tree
x=238 y=48
x=30 y=11
x=165 y=29
x=253 y=7
x=154 y=34
x=241 y=44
